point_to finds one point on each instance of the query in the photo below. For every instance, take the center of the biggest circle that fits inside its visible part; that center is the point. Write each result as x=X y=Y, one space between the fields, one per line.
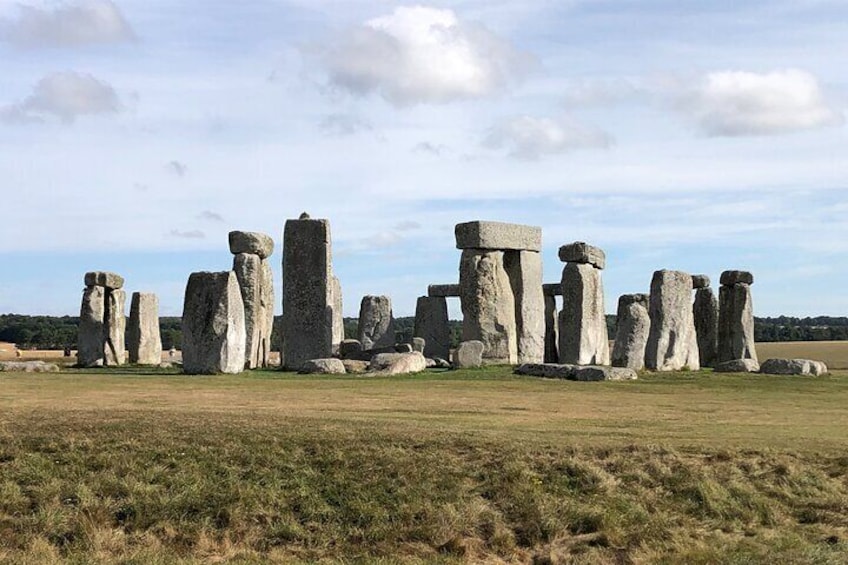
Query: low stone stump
x=397 y=363
x=469 y=355
x=331 y=366
x=738 y=366
x=793 y=367
x=584 y=373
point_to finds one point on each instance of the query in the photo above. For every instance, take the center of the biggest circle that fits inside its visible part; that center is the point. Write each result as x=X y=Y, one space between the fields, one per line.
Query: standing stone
x=633 y=324
x=338 y=319
x=672 y=341
x=92 y=327
x=583 y=337
x=705 y=311
x=144 y=343
x=116 y=327
x=431 y=323
x=248 y=270
x=551 y=330
x=468 y=355
x=308 y=301
x=376 y=323
x=736 y=317
x=488 y=305
x=525 y=275
x=267 y=317
x=214 y=338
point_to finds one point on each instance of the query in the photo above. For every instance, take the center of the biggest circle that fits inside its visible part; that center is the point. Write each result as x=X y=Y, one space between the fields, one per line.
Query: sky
x=698 y=135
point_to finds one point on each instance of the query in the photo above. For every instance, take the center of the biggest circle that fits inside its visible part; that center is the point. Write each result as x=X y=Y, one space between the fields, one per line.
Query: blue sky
x=702 y=136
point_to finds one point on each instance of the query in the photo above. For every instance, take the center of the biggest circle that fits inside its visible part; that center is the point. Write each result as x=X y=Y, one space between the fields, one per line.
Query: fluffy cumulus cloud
x=66 y=96
x=420 y=54
x=66 y=25
x=528 y=137
x=737 y=103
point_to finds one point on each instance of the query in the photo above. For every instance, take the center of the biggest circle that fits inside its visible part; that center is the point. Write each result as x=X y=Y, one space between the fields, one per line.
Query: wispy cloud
x=188 y=234
x=528 y=137
x=343 y=125
x=177 y=168
x=65 y=96
x=208 y=215
x=67 y=25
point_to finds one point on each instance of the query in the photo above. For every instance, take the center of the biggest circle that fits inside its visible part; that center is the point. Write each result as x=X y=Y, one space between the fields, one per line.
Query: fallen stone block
x=397 y=363
x=29 y=367
x=738 y=366
x=355 y=366
x=583 y=373
x=331 y=366
x=793 y=367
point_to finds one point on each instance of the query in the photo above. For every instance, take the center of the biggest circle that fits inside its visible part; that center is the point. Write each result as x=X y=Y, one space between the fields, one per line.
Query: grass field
x=467 y=466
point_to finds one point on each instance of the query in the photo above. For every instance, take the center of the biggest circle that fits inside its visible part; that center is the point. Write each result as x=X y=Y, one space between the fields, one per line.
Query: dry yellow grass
x=833 y=353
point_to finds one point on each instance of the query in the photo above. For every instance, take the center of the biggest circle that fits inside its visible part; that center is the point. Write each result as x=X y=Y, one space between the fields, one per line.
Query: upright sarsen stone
x=672 y=342
x=736 y=317
x=431 y=323
x=633 y=324
x=214 y=338
x=308 y=301
x=376 y=323
x=583 y=338
x=92 y=327
x=144 y=343
x=116 y=327
x=338 y=320
x=705 y=311
x=252 y=277
x=551 y=329
x=524 y=269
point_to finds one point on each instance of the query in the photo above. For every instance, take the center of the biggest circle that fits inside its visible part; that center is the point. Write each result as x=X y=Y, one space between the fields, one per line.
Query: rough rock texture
x=257 y=292
x=144 y=344
x=524 y=269
x=705 y=312
x=251 y=243
x=583 y=253
x=349 y=348
x=736 y=277
x=29 y=367
x=587 y=373
x=338 y=320
x=672 y=341
x=552 y=289
x=431 y=324
x=329 y=366
x=443 y=290
x=403 y=348
x=214 y=337
x=735 y=323
x=700 y=281
x=793 y=367
x=488 y=305
x=115 y=352
x=468 y=355
x=397 y=363
x=419 y=344
x=583 y=338
x=308 y=301
x=738 y=366
x=376 y=323
x=551 y=330
x=498 y=236
x=105 y=279
x=92 y=327
x=633 y=325
x=355 y=366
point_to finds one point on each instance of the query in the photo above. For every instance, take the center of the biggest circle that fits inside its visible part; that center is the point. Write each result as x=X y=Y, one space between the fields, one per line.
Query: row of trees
x=52 y=332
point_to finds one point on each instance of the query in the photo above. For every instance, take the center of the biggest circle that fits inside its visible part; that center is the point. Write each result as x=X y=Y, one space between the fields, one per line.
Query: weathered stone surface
x=583 y=253
x=633 y=325
x=92 y=327
x=468 y=355
x=349 y=347
x=28 y=367
x=308 y=301
x=736 y=277
x=498 y=236
x=397 y=363
x=144 y=344
x=700 y=281
x=583 y=338
x=252 y=243
x=214 y=337
x=552 y=289
x=338 y=320
x=257 y=292
x=735 y=323
x=443 y=290
x=551 y=330
x=705 y=313
x=524 y=269
x=586 y=373
x=105 y=279
x=738 y=366
x=376 y=323
x=419 y=344
x=403 y=348
x=330 y=366
x=547 y=370
x=115 y=352
x=355 y=366
x=441 y=363
x=672 y=341
x=793 y=367
x=431 y=324
x=488 y=305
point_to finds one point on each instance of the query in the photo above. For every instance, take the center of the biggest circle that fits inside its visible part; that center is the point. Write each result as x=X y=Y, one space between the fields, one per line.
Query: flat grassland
x=465 y=466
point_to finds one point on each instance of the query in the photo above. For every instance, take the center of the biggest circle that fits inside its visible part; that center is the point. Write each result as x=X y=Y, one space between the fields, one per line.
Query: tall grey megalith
x=144 y=342
x=376 y=322
x=256 y=280
x=214 y=337
x=583 y=337
x=431 y=323
x=736 y=317
x=672 y=341
x=633 y=324
x=705 y=312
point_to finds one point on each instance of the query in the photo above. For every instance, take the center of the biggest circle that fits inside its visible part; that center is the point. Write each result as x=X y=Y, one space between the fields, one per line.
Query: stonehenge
x=735 y=317
x=102 y=321
x=672 y=342
x=633 y=325
x=705 y=311
x=144 y=343
x=256 y=280
x=583 y=338
x=376 y=322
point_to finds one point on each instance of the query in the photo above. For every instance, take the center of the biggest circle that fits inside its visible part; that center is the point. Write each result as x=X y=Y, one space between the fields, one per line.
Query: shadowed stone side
x=633 y=326
x=376 y=323
x=672 y=342
x=524 y=269
x=214 y=337
x=431 y=323
x=583 y=338
x=551 y=329
x=144 y=344
x=736 y=319
x=92 y=327
x=488 y=305
x=443 y=290
x=115 y=352
x=111 y=281
x=705 y=312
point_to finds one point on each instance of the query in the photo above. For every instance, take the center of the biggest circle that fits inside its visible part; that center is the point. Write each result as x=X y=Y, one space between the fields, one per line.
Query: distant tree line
x=58 y=332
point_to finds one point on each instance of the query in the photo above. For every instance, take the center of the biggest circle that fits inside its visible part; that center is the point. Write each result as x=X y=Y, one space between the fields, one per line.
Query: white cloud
x=67 y=25
x=188 y=234
x=420 y=54
x=527 y=137
x=738 y=103
x=343 y=125
x=66 y=96
x=210 y=216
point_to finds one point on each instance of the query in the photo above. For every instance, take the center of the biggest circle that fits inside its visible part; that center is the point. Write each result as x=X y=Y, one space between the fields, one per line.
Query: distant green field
x=466 y=466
